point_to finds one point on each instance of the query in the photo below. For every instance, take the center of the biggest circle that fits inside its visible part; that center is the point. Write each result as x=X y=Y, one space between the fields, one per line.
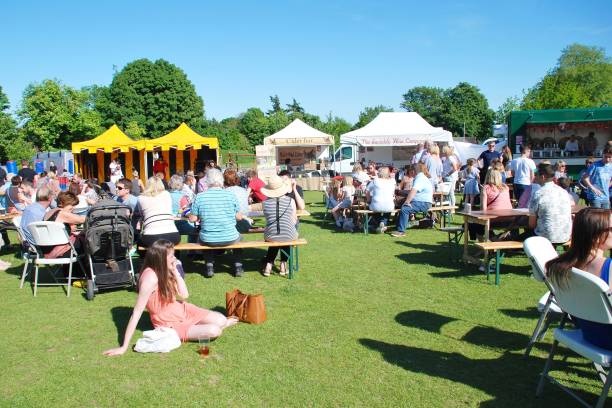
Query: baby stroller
x=109 y=238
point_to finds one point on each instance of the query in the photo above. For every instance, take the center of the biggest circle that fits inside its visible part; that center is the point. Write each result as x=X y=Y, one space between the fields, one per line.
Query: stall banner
x=298 y=155
x=409 y=140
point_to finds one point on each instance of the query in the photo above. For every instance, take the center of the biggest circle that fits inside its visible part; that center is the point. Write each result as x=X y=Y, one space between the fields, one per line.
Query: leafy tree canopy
x=4 y=101
x=582 y=78
x=511 y=103
x=294 y=107
x=157 y=96
x=276 y=105
x=452 y=108
x=54 y=115
x=369 y=113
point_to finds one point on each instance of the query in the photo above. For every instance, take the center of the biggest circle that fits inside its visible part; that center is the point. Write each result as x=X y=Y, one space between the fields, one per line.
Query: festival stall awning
x=396 y=129
x=113 y=139
x=181 y=138
x=298 y=133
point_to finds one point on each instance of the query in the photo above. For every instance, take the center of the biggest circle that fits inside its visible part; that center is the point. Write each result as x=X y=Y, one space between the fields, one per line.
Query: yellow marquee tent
x=178 y=148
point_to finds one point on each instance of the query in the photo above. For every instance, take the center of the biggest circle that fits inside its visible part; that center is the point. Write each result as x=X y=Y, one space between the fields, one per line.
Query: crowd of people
x=211 y=207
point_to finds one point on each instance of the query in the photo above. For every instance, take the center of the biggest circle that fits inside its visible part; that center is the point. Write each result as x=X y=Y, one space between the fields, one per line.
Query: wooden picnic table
x=484 y=218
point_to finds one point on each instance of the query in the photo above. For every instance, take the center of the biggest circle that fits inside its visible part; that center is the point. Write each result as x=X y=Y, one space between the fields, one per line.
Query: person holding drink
x=158 y=289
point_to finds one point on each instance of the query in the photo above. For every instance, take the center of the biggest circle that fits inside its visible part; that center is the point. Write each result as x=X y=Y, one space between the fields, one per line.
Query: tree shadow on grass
x=439 y=255
x=506 y=378
x=121 y=316
x=251 y=260
x=528 y=313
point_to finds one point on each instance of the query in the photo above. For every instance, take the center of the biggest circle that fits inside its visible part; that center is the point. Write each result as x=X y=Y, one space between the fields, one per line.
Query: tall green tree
x=254 y=125
x=158 y=96
x=429 y=102
x=295 y=107
x=54 y=115
x=511 y=103
x=581 y=78
x=336 y=126
x=468 y=108
x=276 y=105
x=369 y=113
x=228 y=134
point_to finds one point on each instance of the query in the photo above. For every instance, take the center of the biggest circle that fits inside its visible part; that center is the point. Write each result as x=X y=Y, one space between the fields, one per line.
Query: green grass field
x=368 y=321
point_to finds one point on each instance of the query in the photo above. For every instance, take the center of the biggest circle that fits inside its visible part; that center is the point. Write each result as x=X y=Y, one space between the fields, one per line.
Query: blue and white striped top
x=217 y=210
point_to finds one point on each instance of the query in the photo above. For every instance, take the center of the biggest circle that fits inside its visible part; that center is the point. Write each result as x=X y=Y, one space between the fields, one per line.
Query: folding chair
x=586 y=297
x=28 y=252
x=46 y=234
x=539 y=250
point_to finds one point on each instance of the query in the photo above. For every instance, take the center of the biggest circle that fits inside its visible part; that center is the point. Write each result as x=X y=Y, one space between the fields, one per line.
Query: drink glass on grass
x=204 y=346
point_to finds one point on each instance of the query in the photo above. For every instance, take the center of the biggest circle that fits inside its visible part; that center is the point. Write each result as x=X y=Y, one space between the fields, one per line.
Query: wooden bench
x=444 y=218
x=294 y=263
x=498 y=247
x=366 y=215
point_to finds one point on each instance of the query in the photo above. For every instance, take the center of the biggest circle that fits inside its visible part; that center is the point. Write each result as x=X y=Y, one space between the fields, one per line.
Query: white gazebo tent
x=300 y=143
x=396 y=129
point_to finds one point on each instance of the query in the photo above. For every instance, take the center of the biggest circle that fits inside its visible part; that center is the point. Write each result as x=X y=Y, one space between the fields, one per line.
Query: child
x=345 y=199
x=472 y=175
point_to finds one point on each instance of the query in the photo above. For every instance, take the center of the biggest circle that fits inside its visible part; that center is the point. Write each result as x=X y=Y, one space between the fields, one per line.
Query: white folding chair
x=28 y=252
x=540 y=250
x=586 y=297
x=47 y=234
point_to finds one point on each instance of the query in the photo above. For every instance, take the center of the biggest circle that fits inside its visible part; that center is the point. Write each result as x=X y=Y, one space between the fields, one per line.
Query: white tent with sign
x=396 y=129
x=299 y=145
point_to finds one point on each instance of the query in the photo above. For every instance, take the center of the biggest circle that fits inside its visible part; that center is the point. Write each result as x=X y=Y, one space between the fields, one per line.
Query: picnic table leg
x=366 y=223
x=465 y=238
x=291 y=254
x=486 y=238
x=297 y=258
x=498 y=258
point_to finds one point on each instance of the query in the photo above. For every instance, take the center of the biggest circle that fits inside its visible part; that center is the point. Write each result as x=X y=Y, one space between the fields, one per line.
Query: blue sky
x=332 y=56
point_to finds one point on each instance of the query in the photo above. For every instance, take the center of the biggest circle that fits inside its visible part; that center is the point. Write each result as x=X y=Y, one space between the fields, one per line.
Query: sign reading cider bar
x=303 y=141
x=390 y=141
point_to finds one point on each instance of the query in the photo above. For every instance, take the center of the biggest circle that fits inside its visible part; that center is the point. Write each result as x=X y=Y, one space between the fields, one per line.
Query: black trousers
x=273 y=251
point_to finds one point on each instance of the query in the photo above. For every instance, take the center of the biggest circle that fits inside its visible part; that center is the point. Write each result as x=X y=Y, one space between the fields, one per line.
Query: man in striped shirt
x=217 y=209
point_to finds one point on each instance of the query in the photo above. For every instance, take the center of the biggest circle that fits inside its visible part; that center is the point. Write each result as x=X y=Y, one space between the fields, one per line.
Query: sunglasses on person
x=119 y=188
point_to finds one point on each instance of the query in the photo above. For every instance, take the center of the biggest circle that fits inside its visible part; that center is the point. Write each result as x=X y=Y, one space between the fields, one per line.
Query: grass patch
x=368 y=321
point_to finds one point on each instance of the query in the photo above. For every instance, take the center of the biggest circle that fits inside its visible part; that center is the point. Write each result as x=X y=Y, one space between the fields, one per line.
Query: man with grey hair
x=36 y=211
x=218 y=210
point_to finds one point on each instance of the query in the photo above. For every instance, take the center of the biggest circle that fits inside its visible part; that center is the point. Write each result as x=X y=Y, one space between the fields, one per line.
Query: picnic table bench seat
x=293 y=249
x=498 y=247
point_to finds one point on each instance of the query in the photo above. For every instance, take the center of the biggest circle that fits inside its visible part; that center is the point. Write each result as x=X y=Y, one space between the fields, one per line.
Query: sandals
x=283 y=269
x=267 y=270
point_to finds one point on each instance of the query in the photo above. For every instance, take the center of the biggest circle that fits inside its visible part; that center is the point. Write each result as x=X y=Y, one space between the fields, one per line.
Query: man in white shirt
x=522 y=170
x=571 y=146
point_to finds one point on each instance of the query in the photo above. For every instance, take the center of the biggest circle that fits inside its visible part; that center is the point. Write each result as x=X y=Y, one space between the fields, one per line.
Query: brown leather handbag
x=247 y=308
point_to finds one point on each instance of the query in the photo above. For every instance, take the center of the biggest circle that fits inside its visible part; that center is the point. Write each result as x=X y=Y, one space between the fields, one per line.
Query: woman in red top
x=495 y=194
x=159 y=286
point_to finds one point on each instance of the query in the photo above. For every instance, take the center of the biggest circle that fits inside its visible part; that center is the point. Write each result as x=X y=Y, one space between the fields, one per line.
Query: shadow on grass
x=506 y=378
x=438 y=255
x=121 y=317
x=251 y=260
x=529 y=313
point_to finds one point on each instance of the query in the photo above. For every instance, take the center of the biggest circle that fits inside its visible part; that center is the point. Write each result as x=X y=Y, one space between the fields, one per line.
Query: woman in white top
x=450 y=170
x=380 y=193
x=155 y=205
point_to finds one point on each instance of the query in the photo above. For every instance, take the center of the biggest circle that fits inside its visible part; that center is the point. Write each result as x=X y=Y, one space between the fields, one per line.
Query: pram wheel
x=90 y=289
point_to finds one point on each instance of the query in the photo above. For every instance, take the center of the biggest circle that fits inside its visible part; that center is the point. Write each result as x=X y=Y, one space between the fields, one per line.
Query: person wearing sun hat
x=280 y=212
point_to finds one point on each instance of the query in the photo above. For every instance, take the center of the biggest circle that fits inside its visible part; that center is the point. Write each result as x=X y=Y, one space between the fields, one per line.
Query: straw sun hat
x=276 y=187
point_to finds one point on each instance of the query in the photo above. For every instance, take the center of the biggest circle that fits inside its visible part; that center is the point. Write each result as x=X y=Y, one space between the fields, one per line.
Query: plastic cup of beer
x=204 y=346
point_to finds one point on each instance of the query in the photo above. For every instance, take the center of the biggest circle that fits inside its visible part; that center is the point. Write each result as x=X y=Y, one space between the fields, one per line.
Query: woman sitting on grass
x=591 y=239
x=159 y=286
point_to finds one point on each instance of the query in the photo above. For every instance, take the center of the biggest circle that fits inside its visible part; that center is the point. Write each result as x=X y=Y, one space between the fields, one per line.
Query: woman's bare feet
x=283 y=269
x=231 y=321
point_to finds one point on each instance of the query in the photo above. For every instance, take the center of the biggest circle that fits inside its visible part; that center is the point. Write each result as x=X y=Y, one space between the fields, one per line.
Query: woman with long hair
x=591 y=239
x=158 y=289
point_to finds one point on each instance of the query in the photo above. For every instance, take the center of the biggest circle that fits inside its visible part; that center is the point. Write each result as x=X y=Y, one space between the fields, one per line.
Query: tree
x=501 y=114
x=277 y=121
x=335 y=126
x=276 y=105
x=134 y=131
x=8 y=128
x=429 y=102
x=369 y=113
x=294 y=107
x=468 y=108
x=254 y=125
x=54 y=115
x=157 y=96
x=582 y=78
x=228 y=134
